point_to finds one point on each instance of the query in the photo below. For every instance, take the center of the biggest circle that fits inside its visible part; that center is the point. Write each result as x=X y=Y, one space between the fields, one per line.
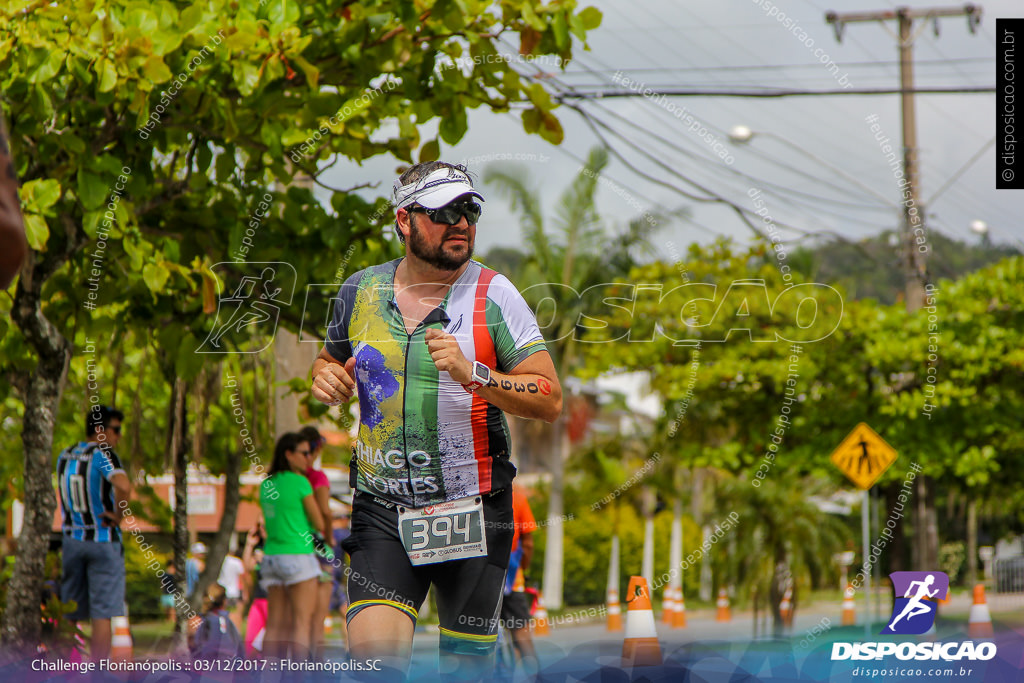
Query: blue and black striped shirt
x=83 y=479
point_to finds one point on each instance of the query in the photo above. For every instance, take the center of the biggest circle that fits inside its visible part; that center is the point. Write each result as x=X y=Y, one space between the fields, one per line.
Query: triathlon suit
x=425 y=441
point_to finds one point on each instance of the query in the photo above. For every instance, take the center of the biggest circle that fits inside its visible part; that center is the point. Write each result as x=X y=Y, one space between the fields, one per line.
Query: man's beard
x=436 y=256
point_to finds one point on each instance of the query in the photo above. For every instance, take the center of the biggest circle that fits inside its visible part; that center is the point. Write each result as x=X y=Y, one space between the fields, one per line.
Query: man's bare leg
x=384 y=633
x=466 y=667
x=99 y=644
x=523 y=642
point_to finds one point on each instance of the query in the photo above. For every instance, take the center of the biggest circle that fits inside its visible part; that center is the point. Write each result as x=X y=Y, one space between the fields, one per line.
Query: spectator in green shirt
x=290 y=570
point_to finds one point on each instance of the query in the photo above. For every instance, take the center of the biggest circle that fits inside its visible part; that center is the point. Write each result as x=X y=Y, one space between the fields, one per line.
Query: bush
x=142 y=589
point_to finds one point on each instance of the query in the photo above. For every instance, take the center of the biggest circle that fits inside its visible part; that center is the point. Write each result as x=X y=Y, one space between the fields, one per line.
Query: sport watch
x=481 y=376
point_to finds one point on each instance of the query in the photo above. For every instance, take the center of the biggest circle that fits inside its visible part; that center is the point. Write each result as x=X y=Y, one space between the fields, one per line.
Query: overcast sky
x=816 y=161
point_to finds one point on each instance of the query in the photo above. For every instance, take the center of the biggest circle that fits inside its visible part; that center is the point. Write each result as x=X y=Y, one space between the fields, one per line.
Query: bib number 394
x=438 y=533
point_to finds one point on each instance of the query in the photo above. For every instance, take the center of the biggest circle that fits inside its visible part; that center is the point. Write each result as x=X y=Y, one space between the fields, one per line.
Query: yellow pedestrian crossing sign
x=863 y=456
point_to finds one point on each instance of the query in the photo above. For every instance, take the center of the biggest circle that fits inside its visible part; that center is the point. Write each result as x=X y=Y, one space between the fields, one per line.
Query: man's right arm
x=333 y=382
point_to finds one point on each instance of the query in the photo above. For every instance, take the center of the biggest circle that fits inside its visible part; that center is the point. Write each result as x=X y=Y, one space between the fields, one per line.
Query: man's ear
x=403 y=223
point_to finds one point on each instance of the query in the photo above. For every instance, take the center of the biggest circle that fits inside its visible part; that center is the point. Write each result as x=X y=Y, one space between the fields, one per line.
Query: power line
x=774 y=67
x=767 y=92
x=765 y=183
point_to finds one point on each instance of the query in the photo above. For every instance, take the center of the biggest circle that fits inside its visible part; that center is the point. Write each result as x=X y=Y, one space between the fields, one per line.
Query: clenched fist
x=447 y=356
x=335 y=384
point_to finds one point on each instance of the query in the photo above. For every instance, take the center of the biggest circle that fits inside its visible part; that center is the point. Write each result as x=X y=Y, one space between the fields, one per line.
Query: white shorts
x=288 y=570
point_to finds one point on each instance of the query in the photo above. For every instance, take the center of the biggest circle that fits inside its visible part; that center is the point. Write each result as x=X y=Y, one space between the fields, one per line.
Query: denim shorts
x=288 y=570
x=93 y=578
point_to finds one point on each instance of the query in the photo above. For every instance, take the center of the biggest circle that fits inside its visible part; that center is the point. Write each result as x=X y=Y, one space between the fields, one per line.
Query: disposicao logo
x=914 y=612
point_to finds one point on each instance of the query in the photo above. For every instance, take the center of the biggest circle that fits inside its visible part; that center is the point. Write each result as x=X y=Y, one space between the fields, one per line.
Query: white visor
x=434 y=191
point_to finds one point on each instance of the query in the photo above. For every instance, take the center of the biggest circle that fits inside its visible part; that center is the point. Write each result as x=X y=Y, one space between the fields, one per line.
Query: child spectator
x=216 y=637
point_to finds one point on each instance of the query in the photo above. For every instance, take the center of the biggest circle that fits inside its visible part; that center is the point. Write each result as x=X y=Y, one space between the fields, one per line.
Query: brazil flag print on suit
x=423 y=439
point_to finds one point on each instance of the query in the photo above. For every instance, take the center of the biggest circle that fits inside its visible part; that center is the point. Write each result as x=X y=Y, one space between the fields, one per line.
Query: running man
x=515 y=608
x=94 y=490
x=915 y=606
x=439 y=348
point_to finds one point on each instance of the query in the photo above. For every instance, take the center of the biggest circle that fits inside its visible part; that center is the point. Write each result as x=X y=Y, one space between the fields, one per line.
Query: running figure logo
x=252 y=308
x=914 y=612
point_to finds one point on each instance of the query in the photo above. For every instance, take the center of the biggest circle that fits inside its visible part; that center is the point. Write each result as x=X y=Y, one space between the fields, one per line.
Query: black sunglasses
x=452 y=213
x=116 y=430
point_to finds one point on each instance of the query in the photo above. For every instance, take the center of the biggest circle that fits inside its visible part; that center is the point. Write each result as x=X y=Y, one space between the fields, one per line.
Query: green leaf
x=431 y=151
x=155 y=70
x=155 y=275
x=551 y=129
x=37 y=231
x=591 y=18
x=48 y=68
x=40 y=195
x=107 y=73
x=531 y=18
x=92 y=191
x=561 y=29
x=311 y=73
x=225 y=164
x=531 y=120
x=453 y=127
x=246 y=76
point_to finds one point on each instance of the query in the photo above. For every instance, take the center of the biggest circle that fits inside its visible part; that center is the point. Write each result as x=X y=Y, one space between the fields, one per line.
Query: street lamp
x=980 y=228
x=741 y=135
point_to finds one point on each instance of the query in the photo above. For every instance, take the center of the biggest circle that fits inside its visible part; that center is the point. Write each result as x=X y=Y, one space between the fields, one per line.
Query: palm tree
x=579 y=253
x=785 y=538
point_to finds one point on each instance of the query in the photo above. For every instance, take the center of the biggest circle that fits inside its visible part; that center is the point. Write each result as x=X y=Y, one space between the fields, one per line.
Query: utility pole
x=915 y=245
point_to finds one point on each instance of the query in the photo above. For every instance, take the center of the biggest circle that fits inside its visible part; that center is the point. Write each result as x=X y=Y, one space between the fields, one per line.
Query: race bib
x=448 y=531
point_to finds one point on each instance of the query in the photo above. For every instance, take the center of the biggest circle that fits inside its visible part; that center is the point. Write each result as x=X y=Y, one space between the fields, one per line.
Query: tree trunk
x=647 y=565
x=232 y=493
x=926 y=530
x=178 y=448
x=972 y=541
x=41 y=392
x=898 y=544
x=780 y=580
x=675 y=548
x=553 y=552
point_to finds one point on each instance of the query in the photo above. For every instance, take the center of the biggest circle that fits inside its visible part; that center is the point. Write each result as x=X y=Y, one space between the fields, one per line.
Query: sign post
x=863 y=456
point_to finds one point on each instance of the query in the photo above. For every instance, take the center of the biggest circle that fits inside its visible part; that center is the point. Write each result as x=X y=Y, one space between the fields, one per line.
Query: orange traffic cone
x=679 y=614
x=121 y=642
x=541 y=627
x=614 y=611
x=786 y=607
x=640 y=648
x=724 y=613
x=668 y=602
x=849 y=617
x=979 y=621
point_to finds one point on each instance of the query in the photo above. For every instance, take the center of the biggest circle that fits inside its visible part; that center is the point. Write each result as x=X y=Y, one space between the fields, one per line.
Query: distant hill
x=870 y=268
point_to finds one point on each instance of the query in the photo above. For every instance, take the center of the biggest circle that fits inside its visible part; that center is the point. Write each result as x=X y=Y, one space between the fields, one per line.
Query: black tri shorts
x=467 y=591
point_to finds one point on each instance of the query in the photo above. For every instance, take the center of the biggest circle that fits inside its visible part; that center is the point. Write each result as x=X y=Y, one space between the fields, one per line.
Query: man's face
x=111 y=434
x=443 y=246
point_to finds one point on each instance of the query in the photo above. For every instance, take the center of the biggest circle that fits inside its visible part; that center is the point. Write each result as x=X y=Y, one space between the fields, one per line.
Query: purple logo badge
x=914 y=601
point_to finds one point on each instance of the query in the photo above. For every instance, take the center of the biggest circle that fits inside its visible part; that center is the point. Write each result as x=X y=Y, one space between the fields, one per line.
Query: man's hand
x=335 y=384
x=112 y=519
x=447 y=356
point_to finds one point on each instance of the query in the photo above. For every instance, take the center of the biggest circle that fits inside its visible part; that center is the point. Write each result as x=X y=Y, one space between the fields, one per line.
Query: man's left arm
x=122 y=486
x=531 y=389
